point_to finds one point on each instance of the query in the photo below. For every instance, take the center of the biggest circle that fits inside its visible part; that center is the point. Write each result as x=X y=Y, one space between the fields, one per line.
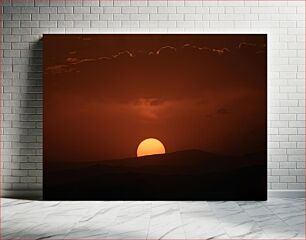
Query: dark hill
x=183 y=175
x=196 y=161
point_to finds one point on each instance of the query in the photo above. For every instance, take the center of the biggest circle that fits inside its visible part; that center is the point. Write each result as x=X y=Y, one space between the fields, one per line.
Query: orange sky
x=104 y=94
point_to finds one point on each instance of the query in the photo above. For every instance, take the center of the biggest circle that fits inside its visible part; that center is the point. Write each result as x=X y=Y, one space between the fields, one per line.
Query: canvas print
x=155 y=117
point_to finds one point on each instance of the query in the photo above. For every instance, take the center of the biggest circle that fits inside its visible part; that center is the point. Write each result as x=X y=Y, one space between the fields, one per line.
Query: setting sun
x=150 y=146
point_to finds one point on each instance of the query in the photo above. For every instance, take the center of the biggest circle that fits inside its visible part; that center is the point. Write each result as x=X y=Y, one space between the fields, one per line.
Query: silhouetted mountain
x=183 y=175
x=193 y=160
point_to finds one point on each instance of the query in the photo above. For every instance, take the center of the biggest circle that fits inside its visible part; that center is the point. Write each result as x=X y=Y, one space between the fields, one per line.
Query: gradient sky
x=104 y=94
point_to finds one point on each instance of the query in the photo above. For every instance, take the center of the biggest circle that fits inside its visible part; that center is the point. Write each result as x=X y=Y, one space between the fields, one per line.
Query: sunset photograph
x=155 y=117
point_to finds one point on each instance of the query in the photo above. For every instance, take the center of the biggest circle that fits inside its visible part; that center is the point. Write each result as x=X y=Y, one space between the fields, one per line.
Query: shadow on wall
x=28 y=158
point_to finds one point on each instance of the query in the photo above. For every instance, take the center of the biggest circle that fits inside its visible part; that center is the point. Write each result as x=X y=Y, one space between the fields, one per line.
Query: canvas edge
x=37 y=194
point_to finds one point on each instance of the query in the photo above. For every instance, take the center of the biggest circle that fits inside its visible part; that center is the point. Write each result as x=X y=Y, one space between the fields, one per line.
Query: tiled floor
x=274 y=219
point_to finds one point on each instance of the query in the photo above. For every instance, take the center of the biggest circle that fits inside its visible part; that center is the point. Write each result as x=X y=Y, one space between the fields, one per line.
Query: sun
x=150 y=146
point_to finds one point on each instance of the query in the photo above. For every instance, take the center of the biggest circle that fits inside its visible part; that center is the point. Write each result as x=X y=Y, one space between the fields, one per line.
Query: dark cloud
x=183 y=51
x=123 y=54
x=156 y=102
x=189 y=90
x=166 y=50
x=223 y=111
x=157 y=73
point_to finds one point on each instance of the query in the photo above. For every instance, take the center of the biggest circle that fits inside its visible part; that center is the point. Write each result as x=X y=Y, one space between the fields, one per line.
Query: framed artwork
x=155 y=117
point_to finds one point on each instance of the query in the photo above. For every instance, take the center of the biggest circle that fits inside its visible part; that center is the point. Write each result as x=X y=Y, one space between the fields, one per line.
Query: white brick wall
x=24 y=22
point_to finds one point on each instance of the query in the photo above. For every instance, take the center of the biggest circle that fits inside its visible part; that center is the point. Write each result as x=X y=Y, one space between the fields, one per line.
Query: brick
x=296 y=186
x=29 y=24
x=96 y=10
x=47 y=24
x=35 y=173
x=6 y=186
x=287 y=131
x=300 y=144
x=56 y=17
x=157 y=3
x=288 y=179
x=300 y=179
x=20 y=186
x=190 y=17
x=19 y=173
x=11 y=24
x=273 y=165
x=11 y=53
x=185 y=9
x=140 y=17
x=91 y=16
x=59 y=3
x=73 y=16
x=184 y=24
x=74 y=3
x=112 y=10
x=121 y=17
x=261 y=10
x=23 y=3
x=41 y=17
x=148 y=24
x=63 y=10
x=6 y=172
x=242 y=10
x=296 y=158
x=98 y=24
x=21 y=31
x=29 y=10
x=176 y=17
x=21 y=17
x=279 y=124
x=176 y=3
x=11 y=179
x=161 y=17
x=81 y=9
x=167 y=24
x=65 y=24
x=130 y=24
x=291 y=10
x=297 y=124
x=48 y=10
x=229 y=17
x=91 y=3
x=42 y=3
x=273 y=179
x=297 y=138
x=147 y=9
x=287 y=165
x=28 y=179
x=222 y=24
x=122 y=3
x=296 y=172
x=289 y=103
x=139 y=3
x=230 y=3
x=11 y=9
x=81 y=24
x=280 y=172
x=196 y=3
x=128 y=10
x=166 y=10
x=242 y=24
